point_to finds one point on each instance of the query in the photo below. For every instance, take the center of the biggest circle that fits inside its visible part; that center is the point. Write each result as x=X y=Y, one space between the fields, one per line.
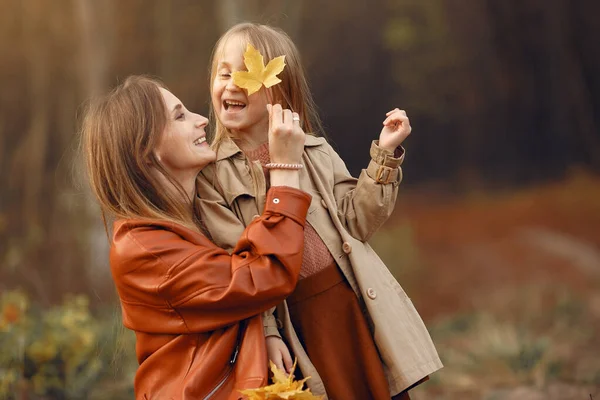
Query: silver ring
x=294 y=118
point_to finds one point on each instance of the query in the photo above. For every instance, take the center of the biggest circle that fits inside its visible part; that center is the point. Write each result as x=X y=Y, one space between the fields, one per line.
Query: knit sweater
x=316 y=254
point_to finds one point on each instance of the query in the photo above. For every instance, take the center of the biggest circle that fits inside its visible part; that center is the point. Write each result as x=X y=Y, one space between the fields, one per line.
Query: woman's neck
x=187 y=182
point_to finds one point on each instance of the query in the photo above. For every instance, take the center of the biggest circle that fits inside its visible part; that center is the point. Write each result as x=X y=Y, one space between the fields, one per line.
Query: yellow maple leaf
x=284 y=387
x=257 y=73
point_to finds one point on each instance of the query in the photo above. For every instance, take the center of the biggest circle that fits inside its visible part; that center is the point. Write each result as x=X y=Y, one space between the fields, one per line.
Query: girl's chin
x=235 y=126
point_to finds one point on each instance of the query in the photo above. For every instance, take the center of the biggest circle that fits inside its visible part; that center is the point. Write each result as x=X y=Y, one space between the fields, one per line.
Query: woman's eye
x=225 y=75
x=180 y=116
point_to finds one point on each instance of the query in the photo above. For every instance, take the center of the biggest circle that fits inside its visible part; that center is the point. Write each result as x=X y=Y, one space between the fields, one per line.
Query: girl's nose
x=231 y=86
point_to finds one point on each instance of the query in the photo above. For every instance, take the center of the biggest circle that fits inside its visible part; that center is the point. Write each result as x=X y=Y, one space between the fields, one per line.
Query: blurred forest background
x=496 y=236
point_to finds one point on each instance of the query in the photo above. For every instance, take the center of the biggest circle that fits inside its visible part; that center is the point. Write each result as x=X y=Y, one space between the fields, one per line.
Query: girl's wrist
x=285 y=177
x=388 y=146
x=292 y=166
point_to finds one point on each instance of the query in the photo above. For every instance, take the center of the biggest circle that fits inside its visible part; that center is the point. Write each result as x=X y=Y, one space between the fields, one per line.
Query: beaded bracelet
x=283 y=166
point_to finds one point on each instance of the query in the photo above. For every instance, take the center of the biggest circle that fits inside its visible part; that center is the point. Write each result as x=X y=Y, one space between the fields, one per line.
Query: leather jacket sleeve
x=173 y=280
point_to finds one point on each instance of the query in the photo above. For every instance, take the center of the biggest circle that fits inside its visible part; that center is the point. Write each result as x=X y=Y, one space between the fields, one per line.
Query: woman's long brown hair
x=119 y=132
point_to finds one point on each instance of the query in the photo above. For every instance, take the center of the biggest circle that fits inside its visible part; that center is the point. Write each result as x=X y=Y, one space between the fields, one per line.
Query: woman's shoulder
x=140 y=238
x=136 y=226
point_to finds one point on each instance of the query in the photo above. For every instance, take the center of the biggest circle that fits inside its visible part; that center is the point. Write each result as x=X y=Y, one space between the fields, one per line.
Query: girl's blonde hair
x=119 y=133
x=293 y=92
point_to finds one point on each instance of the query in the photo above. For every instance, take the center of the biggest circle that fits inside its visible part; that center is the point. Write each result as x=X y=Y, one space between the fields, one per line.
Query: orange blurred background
x=496 y=234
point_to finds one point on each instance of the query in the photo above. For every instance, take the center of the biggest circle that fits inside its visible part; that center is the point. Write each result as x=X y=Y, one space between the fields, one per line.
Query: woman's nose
x=201 y=121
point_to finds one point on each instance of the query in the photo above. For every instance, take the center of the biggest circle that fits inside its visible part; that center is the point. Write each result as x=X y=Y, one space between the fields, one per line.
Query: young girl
x=192 y=305
x=349 y=323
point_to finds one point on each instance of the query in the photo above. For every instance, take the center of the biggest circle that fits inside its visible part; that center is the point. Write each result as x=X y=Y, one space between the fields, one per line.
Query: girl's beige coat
x=345 y=212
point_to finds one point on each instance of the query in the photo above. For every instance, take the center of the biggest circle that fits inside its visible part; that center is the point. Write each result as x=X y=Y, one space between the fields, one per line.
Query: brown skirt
x=333 y=330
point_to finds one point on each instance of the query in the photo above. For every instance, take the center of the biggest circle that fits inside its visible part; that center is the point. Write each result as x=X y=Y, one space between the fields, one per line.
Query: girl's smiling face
x=237 y=111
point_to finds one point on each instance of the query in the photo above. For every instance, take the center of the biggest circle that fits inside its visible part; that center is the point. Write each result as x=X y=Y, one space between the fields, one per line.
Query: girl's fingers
x=287 y=117
x=296 y=119
x=287 y=360
x=279 y=363
x=276 y=115
x=395 y=119
x=269 y=112
x=390 y=119
x=396 y=110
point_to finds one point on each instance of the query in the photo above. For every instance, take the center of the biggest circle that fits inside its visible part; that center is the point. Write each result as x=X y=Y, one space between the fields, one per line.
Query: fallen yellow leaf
x=257 y=73
x=284 y=387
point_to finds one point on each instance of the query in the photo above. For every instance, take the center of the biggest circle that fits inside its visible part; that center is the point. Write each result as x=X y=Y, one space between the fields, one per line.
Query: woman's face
x=235 y=109
x=183 y=147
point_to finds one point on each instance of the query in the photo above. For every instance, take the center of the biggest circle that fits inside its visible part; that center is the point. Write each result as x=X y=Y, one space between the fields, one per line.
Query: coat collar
x=229 y=149
x=312 y=141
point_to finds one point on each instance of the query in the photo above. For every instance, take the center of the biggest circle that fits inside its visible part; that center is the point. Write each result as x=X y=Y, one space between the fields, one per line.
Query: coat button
x=323 y=203
x=276 y=200
x=347 y=248
x=371 y=293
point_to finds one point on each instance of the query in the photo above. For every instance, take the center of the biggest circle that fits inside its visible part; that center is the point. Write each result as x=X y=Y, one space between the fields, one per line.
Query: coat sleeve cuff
x=385 y=157
x=270 y=325
x=384 y=166
x=289 y=202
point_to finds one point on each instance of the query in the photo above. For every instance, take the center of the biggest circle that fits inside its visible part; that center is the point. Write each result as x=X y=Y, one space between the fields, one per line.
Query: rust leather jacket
x=195 y=308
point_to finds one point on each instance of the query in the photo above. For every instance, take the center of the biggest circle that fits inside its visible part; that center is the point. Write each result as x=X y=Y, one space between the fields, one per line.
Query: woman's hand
x=278 y=352
x=286 y=137
x=396 y=128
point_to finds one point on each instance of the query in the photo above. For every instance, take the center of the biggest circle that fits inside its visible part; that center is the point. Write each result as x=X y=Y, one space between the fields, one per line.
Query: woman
x=192 y=305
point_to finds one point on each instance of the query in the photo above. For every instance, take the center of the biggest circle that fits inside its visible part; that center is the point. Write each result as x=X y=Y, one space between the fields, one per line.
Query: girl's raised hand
x=286 y=137
x=396 y=128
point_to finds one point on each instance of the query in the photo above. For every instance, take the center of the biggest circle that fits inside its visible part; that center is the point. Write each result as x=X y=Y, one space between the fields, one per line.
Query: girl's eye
x=225 y=75
x=180 y=116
